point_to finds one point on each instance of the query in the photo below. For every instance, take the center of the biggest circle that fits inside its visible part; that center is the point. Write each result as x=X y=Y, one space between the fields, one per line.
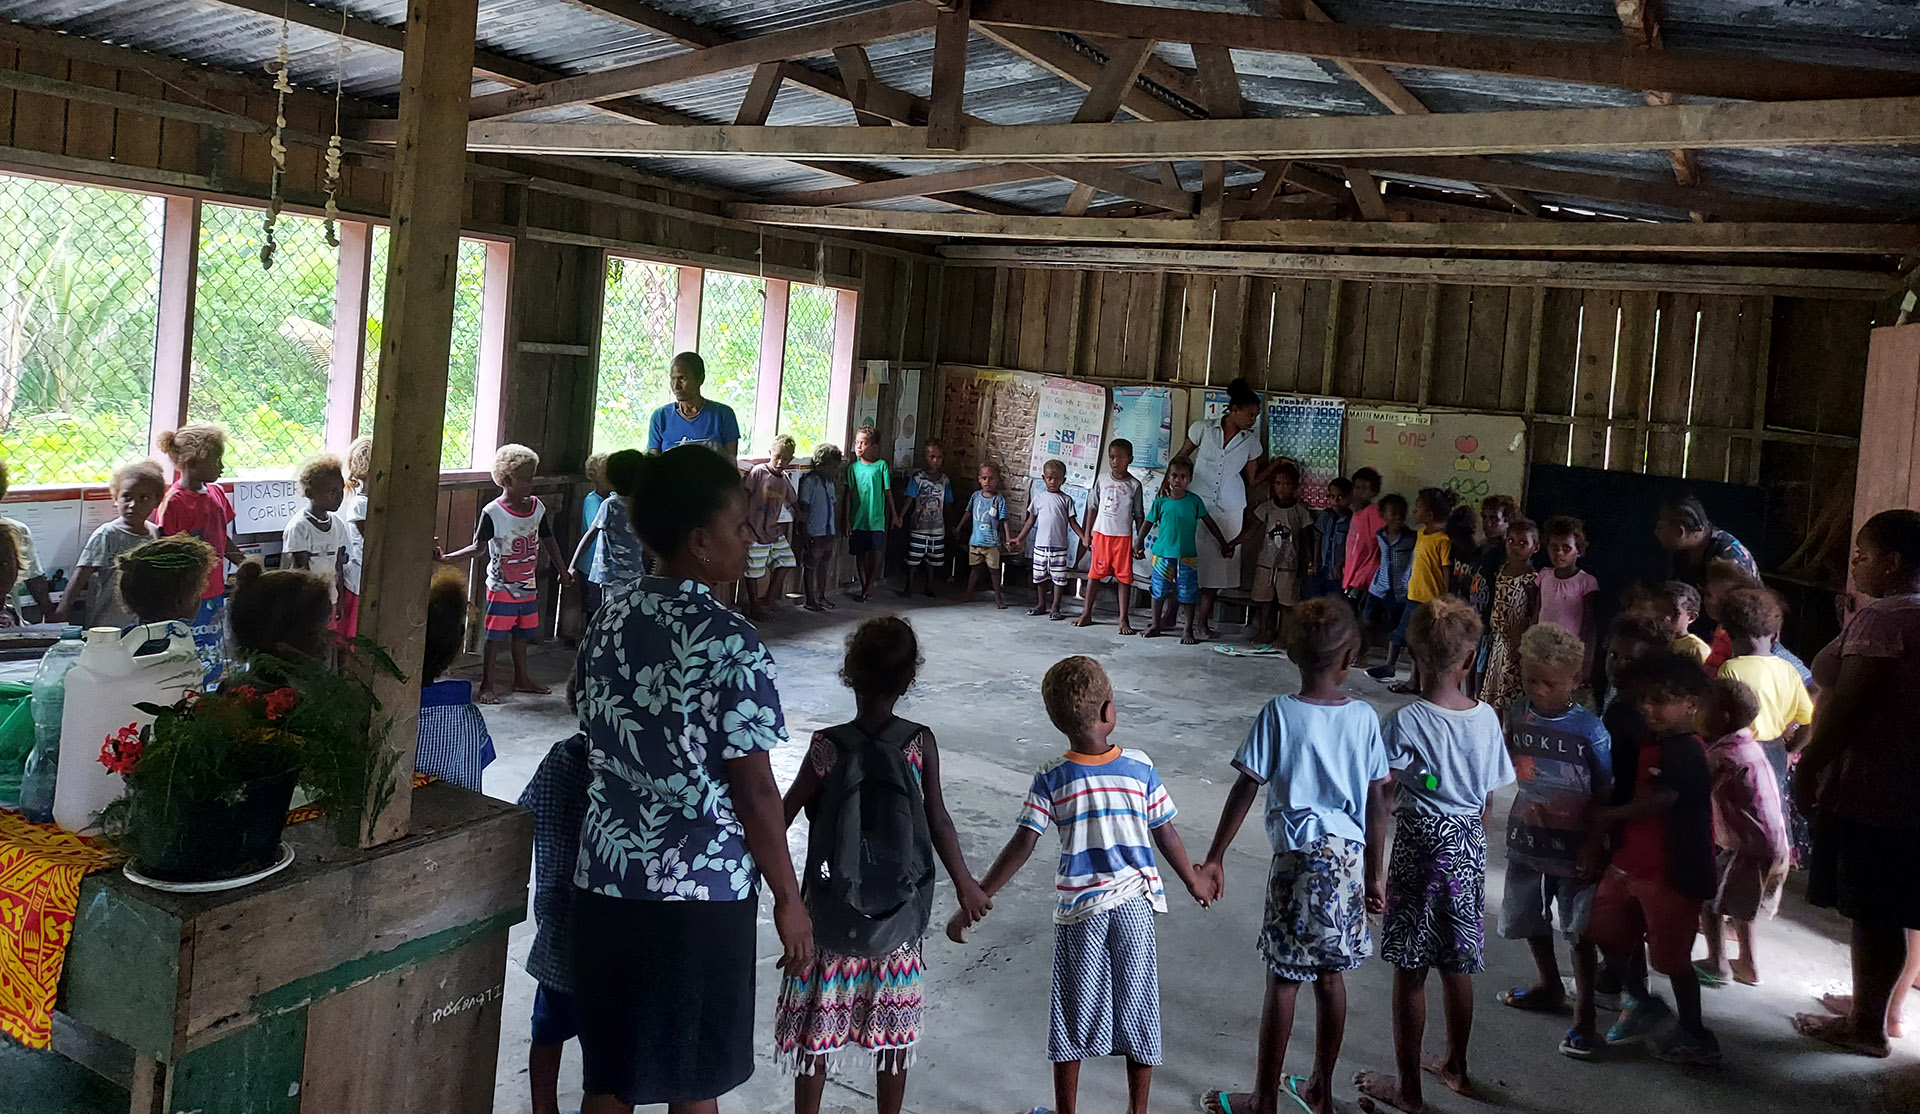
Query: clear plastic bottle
x=49 y=701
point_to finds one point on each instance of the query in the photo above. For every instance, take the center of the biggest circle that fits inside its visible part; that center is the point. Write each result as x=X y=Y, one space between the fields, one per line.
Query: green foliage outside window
x=732 y=310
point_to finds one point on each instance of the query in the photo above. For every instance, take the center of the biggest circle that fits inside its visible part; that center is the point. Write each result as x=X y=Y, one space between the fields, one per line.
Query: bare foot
x=1125 y=629
x=964 y=597
x=1380 y=1090
x=828 y=604
x=528 y=686
x=813 y=607
x=1152 y=632
x=1836 y=1003
x=1188 y=639
x=1840 y=1033
x=1236 y=1100
x=1894 y=1029
x=1000 y=603
x=1085 y=619
x=488 y=696
x=1744 y=972
x=1456 y=1081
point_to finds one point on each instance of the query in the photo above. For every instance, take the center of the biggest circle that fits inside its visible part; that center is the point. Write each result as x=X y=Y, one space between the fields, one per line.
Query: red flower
x=247 y=694
x=281 y=701
x=121 y=751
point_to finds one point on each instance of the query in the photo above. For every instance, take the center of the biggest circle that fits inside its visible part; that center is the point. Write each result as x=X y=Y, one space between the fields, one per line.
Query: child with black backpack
x=871 y=791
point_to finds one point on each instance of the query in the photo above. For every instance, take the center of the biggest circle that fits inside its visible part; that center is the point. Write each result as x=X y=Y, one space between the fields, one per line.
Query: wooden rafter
x=920 y=185
x=1704 y=73
x=945 y=125
x=1640 y=20
x=1508 y=235
x=757 y=104
x=1873 y=122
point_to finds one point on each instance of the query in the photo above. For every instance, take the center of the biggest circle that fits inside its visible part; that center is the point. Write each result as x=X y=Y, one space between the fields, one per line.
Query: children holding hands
x=1323 y=762
x=769 y=554
x=1050 y=521
x=1283 y=527
x=819 y=511
x=1176 y=574
x=869 y=505
x=1111 y=811
x=924 y=513
x=1117 y=523
x=986 y=526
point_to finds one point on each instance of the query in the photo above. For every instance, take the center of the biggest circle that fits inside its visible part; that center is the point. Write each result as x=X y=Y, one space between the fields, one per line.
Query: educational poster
x=1067 y=427
x=866 y=400
x=1476 y=455
x=1210 y=404
x=55 y=526
x=1214 y=404
x=1306 y=429
x=906 y=418
x=1144 y=416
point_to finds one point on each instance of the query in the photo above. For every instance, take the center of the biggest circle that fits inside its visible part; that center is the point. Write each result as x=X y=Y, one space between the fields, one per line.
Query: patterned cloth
x=509 y=616
x=1178 y=577
x=1050 y=564
x=454 y=743
x=1106 y=987
x=761 y=559
x=557 y=796
x=40 y=871
x=210 y=639
x=930 y=493
x=1105 y=806
x=1436 y=894
x=926 y=549
x=1316 y=918
x=1511 y=595
x=618 y=558
x=673 y=686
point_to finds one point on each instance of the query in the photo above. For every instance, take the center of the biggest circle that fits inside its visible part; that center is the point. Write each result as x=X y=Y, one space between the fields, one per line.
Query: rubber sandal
x=1578 y=1046
x=1708 y=976
x=1055 y=616
x=1526 y=1001
x=1037 y=611
x=1290 y=1086
x=1403 y=688
x=1219 y=1098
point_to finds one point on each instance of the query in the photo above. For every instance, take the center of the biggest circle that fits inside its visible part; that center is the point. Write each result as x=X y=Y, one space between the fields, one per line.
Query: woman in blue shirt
x=677 y=700
x=690 y=419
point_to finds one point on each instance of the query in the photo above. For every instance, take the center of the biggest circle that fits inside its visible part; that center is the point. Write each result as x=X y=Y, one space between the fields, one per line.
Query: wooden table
x=354 y=980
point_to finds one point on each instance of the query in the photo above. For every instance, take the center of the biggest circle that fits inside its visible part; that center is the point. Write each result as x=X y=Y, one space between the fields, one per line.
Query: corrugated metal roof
x=1003 y=87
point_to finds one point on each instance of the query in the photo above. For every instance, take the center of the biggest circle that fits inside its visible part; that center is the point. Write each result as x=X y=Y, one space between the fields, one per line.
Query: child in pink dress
x=1749 y=832
x=1565 y=590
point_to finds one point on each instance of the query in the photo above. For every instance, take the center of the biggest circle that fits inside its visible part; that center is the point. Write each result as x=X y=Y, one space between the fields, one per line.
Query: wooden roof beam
x=1508 y=235
x=922 y=185
x=1872 y=122
x=1640 y=20
x=1751 y=77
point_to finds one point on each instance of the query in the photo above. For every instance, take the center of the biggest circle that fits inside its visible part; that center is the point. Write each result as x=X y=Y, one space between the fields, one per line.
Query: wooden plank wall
x=1740 y=388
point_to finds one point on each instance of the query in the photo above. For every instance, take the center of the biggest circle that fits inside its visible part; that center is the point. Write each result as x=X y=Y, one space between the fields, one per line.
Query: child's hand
x=1209 y=880
x=898 y=522
x=566 y=578
x=957 y=926
x=1226 y=548
x=1376 y=896
x=974 y=902
x=439 y=555
x=1139 y=552
x=1593 y=858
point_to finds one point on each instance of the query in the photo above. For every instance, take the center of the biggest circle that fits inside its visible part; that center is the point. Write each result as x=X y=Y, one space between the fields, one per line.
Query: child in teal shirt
x=1176 y=578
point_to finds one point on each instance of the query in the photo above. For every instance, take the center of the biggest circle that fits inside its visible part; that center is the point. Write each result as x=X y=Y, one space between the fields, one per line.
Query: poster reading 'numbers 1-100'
x=1067 y=427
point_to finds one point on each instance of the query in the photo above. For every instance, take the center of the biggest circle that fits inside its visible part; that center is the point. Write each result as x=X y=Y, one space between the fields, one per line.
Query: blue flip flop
x=1290 y=1086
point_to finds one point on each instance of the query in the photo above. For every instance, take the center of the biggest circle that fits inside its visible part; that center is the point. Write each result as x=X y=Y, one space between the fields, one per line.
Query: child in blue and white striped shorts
x=1112 y=812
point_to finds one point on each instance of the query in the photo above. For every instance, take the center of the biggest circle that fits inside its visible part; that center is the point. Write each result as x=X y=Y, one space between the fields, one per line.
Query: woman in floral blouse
x=677 y=698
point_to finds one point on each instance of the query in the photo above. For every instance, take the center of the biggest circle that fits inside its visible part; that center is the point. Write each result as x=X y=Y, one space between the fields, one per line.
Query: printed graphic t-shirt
x=988 y=512
x=1120 y=503
x=512 y=539
x=930 y=493
x=1563 y=764
x=1106 y=807
x=1281 y=529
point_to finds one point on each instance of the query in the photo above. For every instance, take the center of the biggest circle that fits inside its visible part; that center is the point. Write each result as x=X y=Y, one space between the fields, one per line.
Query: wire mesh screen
x=636 y=343
x=263 y=339
x=463 y=362
x=79 y=298
x=807 y=365
x=732 y=310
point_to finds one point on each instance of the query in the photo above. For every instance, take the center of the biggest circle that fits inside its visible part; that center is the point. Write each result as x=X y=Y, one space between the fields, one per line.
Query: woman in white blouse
x=1226 y=455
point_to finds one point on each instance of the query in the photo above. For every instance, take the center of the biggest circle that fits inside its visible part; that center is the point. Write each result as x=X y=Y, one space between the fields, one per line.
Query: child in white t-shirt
x=1050 y=521
x=1117 y=528
x=137 y=490
x=317 y=538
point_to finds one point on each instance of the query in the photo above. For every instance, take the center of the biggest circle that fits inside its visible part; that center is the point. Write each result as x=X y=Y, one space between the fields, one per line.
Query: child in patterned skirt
x=1321 y=757
x=1447 y=753
x=1112 y=812
x=842 y=999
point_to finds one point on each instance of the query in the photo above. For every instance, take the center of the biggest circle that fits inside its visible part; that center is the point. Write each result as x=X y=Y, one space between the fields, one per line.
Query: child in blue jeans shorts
x=1324 y=763
x=558 y=797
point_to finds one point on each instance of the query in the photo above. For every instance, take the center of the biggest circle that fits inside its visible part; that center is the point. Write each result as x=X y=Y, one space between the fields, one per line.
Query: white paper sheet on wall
x=55 y=525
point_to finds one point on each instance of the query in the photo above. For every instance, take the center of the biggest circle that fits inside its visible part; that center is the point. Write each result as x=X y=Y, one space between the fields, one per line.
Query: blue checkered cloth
x=558 y=797
x=454 y=744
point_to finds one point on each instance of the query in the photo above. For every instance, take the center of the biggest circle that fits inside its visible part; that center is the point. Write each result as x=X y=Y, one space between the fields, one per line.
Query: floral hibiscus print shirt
x=672 y=686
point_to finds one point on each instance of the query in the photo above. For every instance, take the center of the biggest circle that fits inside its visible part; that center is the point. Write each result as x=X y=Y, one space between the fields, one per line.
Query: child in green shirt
x=1176 y=577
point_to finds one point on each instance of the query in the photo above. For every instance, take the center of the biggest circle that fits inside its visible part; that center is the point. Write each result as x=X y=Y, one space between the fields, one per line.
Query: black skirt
x=1869 y=873
x=665 y=996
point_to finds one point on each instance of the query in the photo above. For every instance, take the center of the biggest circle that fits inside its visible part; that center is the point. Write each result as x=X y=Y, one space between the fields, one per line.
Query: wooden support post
x=346 y=374
x=410 y=409
x=946 y=127
x=1762 y=379
x=686 y=310
x=997 y=320
x=765 y=86
x=173 y=336
x=773 y=346
x=1332 y=339
x=1429 y=341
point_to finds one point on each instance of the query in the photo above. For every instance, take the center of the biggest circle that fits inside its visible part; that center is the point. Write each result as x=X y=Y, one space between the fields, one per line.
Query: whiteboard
x=1476 y=455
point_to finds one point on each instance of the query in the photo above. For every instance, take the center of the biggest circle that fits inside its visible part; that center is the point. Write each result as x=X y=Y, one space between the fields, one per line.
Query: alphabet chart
x=1067 y=427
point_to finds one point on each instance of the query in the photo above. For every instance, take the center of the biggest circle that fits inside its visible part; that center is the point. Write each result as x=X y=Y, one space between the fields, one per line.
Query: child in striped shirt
x=1111 y=811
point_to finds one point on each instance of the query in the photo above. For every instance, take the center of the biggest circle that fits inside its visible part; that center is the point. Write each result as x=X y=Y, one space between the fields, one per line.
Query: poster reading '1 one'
x=1067 y=426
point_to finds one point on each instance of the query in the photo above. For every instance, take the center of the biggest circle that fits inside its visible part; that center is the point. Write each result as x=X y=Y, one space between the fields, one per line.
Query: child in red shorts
x=1117 y=523
x=1662 y=871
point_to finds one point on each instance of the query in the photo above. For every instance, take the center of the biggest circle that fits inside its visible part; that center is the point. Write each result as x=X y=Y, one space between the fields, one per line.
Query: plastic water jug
x=110 y=677
x=49 y=698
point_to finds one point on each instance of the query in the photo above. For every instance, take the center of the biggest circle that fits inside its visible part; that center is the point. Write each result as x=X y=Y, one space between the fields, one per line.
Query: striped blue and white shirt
x=1106 y=807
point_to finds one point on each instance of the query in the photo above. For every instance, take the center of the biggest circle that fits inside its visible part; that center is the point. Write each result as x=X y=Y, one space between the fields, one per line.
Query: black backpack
x=870 y=860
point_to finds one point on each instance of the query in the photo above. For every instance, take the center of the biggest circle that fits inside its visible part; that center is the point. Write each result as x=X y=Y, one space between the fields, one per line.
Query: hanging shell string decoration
x=278 y=144
x=333 y=141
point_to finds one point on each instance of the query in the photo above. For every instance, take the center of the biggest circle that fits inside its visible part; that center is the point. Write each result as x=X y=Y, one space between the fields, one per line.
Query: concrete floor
x=984 y=1043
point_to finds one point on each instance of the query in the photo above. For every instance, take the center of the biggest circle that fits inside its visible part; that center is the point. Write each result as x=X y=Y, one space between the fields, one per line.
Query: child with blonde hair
x=137 y=489
x=316 y=539
x=162 y=579
x=514 y=531
x=196 y=505
x=1448 y=755
x=615 y=558
x=598 y=490
x=1112 y=812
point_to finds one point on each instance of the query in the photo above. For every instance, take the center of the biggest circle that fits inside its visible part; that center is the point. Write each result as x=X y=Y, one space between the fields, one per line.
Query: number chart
x=1306 y=430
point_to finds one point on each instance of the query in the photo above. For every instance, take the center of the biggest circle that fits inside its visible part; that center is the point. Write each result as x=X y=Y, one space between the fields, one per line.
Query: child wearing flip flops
x=1750 y=840
x=1562 y=758
x=1050 y=521
x=1324 y=764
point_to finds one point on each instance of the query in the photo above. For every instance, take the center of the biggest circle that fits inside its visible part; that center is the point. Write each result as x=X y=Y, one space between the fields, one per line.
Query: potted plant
x=210 y=779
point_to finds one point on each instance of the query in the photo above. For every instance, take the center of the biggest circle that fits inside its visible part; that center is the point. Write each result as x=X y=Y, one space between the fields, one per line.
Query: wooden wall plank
x=1230 y=294
x=1256 y=349
x=1284 y=352
x=90 y=126
x=1417 y=308
x=1316 y=306
x=1173 y=318
x=1062 y=290
x=1142 y=353
x=10 y=59
x=1716 y=383
x=40 y=122
x=1593 y=383
x=1744 y=384
x=1513 y=353
x=1486 y=347
x=1447 y=385
x=1014 y=316
x=1196 y=330
x=1672 y=381
x=1110 y=340
x=1349 y=347
x=1632 y=380
x=1382 y=340
x=1553 y=386
x=1819 y=347
x=136 y=137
